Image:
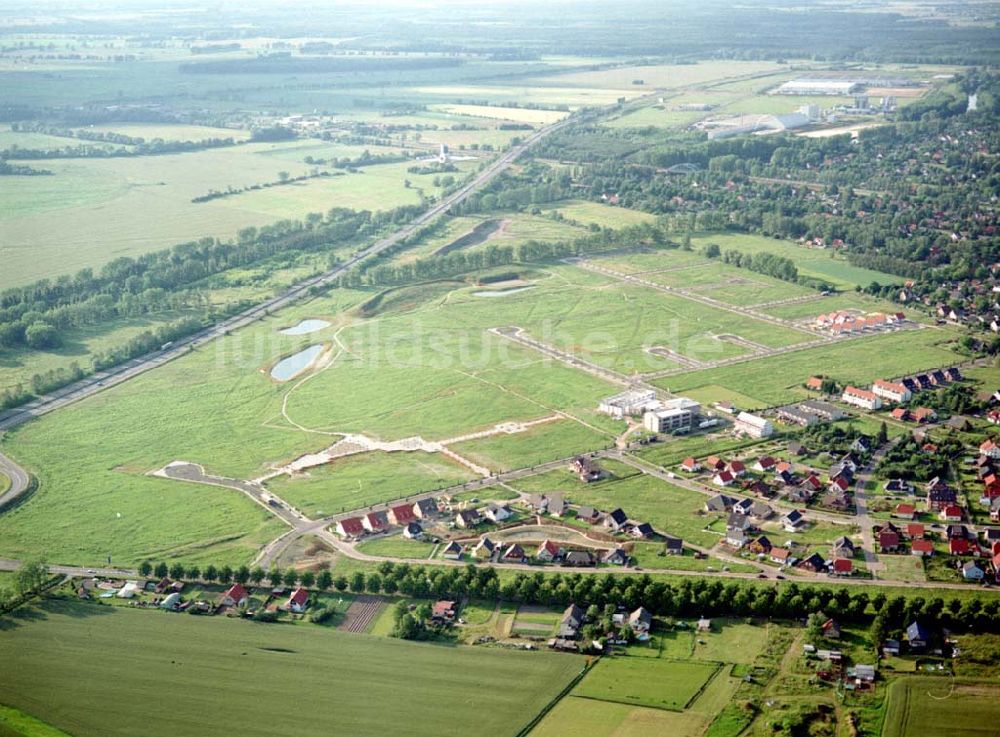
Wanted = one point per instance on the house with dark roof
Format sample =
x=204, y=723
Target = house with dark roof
x=467, y=519
x=616, y=557
x=425, y=508
x=578, y=558
x=760, y=546
x=719, y=503
x=673, y=546
x=588, y=514
x=615, y=520
x=453, y=551
x=375, y=521
x=413, y=531
x=813, y=563
x=917, y=636
x=843, y=547
x=643, y=530
x=514, y=554
x=571, y=621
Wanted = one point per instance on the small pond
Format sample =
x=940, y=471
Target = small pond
x=289, y=368
x=306, y=326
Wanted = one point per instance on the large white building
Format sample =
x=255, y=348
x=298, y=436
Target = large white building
x=861, y=398
x=753, y=425
x=629, y=403
x=818, y=87
x=674, y=414
x=892, y=392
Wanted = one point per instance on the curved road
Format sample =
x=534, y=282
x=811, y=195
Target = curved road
x=19, y=480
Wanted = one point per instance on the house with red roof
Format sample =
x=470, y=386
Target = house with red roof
x=402, y=515
x=780, y=555
x=888, y=541
x=892, y=392
x=922, y=548
x=298, y=601
x=951, y=513
x=375, y=521
x=904, y=511
x=690, y=465
x=235, y=595
x=737, y=468
x=861, y=398
x=765, y=464
x=960, y=546
x=815, y=383
x=548, y=552
x=715, y=463
x=915, y=531
x=842, y=567
x=900, y=413
x=723, y=478
x=923, y=414
x=350, y=527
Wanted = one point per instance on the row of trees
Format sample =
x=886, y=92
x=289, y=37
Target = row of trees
x=688, y=598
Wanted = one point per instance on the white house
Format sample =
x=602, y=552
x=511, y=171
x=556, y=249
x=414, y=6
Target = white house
x=298, y=601
x=628, y=403
x=861, y=398
x=893, y=392
x=753, y=425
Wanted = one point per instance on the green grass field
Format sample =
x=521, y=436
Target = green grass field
x=606, y=216
x=368, y=478
x=818, y=263
x=396, y=546
x=657, y=683
x=574, y=716
x=860, y=361
x=56, y=224
x=921, y=706
x=74, y=661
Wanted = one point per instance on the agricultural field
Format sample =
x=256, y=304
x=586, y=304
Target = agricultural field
x=57, y=224
x=653, y=682
x=68, y=657
x=661, y=76
x=166, y=132
x=919, y=706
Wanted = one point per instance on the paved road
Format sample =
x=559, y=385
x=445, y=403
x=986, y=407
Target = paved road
x=19, y=480
x=861, y=507
x=103, y=379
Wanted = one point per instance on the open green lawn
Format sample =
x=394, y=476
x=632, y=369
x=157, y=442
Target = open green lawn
x=396, y=546
x=539, y=444
x=923, y=706
x=654, y=682
x=75, y=661
x=606, y=216
x=860, y=361
x=818, y=263
x=368, y=478
x=730, y=641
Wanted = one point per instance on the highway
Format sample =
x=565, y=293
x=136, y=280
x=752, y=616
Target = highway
x=101, y=380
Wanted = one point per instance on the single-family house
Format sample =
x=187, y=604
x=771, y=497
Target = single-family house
x=640, y=621
x=497, y=513
x=831, y=629
x=904, y=511
x=467, y=519
x=571, y=621
x=765, y=464
x=842, y=567
x=235, y=595
x=972, y=572
x=760, y=546
x=616, y=557
x=915, y=531
x=402, y=515
x=888, y=541
x=673, y=545
x=425, y=508
x=843, y=547
x=548, y=552
x=484, y=549
x=514, y=554
x=413, y=531
x=951, y=513
x=615, y=520
x=297, y=601
x=782, y=556
x=443, y=612
x=350, y=527
x=719, y=503
x=922, y=548
x=917, y=636
x=690, y=465
x=578, y=558
x=453, y=551
x=793, y=521
x=375, y=521
x=723, y=478
x=813, y=563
